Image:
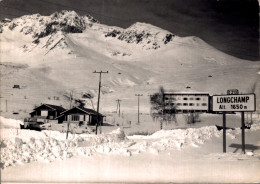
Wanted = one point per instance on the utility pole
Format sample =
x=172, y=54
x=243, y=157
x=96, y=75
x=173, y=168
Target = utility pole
x=138, y=95
x=118, y=106
x=99, y=86
x=68, y=127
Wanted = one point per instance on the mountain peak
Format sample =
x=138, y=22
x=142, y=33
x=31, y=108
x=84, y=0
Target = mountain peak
x=144, y=34
x=40, y=26
x=47, y=31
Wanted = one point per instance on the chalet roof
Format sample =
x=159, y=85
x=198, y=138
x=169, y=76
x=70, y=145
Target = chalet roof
x=54, y=107
x=86, y=110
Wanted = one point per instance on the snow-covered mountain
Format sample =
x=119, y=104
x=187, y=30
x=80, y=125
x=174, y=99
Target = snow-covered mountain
x=48, y=31
x=50, y=56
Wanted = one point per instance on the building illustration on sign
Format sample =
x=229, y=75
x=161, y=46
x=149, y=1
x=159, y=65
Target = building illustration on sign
x=183, y=102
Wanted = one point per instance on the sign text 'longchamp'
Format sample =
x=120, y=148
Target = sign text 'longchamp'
x=236, y=103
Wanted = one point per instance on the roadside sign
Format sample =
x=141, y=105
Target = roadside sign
x=234, y=103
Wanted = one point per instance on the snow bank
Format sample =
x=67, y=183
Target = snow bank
x=10, y=123
x=23, y=146
x=179, y=138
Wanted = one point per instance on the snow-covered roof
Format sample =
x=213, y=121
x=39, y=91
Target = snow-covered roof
x=53, y=107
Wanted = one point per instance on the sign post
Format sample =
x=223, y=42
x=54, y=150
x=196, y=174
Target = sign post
x=224, y=132
x=234, y=103
x=243, y=132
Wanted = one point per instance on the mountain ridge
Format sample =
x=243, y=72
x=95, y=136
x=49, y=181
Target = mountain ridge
x=65, y=22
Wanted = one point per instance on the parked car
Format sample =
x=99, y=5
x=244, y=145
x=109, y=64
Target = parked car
x=33, y=124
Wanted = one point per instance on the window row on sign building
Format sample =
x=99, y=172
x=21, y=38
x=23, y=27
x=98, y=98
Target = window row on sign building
x=186, y=102
x=184, y=98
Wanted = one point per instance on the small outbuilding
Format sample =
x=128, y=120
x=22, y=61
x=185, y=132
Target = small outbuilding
x=16, y=86
x=80, y=115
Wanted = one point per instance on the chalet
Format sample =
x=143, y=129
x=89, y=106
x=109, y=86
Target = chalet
x=47, y=111
x=80, y=115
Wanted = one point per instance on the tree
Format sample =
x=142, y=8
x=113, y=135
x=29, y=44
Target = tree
x=158, y=110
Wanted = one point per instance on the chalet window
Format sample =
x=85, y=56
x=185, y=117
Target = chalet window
x=179, y=104
x=191, y=104
x=204, y=104
x=185, y=98
x=197, y=98
x=44, y=113
x=185, y=104
x=74, y=117
x=191, y=98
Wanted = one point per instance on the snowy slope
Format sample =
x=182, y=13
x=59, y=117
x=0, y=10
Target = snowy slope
x=61, y=52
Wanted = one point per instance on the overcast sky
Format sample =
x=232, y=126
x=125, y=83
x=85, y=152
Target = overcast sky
x=229, y=25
